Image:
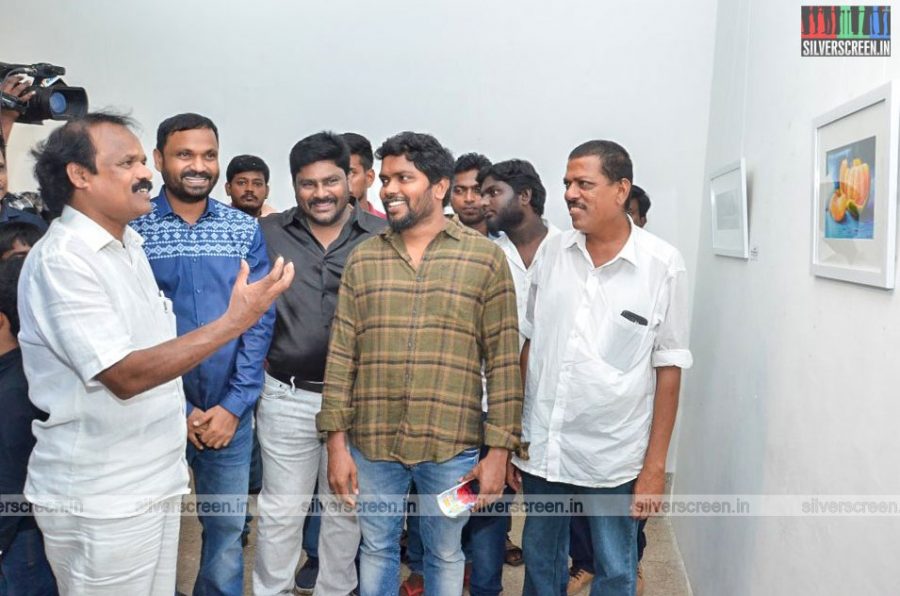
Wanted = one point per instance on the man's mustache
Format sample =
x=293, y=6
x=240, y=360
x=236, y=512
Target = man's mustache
x=142, y=185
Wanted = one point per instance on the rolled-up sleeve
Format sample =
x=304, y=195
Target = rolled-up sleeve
x=78, y=320
x=671, y=345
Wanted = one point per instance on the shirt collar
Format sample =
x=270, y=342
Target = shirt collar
x=452, y=228
x=92, y=233
x=164, y=208
x=628, y=252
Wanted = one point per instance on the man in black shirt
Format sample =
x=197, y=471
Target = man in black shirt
x=23, y=563
x=317, y=235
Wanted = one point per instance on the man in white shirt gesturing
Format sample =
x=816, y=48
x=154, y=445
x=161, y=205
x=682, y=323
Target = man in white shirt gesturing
x=101, y=357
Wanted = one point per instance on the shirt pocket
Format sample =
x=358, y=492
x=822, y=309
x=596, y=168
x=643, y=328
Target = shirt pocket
x=621, y=341
x=452, y=304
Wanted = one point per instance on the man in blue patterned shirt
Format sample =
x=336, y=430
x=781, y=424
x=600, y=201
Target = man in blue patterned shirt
x=195, y=246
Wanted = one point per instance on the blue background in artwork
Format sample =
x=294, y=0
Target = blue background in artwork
x=864, y=227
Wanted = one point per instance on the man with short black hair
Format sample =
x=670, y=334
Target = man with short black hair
x=362, y=175
x=581, y=574
x=607, y=322
x=318, y=234
x=465, y=194
x=461, y=199
x=421, y=306
x=247, y=184
x=513, y=201
x=196, y=247
x=100, y=352
x=638, y=206
x=17, y=238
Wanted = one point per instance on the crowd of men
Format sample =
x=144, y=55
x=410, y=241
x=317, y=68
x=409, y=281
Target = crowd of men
x=368, y=358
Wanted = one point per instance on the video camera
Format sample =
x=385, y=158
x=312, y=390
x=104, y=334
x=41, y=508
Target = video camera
x=52, y=100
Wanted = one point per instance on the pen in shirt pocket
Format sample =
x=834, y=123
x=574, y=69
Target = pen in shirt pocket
x=634, y=318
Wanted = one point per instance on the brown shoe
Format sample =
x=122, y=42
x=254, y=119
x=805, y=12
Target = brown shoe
x=579, y=579
x=513, y=555
x=640, y=580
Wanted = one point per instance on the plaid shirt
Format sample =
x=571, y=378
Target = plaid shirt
x=404, y=364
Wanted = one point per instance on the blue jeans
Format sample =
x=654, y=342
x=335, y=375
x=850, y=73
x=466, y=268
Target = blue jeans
x=484, y=545
x=545, y=539
x=224, y=472
x=484, y=542
x=580, y=548
x=26, y=571
x=256, y=472
x=383, y=487
x=414, y=551
x=311, y=526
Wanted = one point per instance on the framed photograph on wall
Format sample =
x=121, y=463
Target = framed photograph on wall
x=728, y=196
x=854, y=227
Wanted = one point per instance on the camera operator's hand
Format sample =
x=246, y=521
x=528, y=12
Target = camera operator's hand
x=20, y=88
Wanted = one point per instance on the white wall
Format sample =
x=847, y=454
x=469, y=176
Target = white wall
x=529, y=79
x=524, y=79
x=793, y=391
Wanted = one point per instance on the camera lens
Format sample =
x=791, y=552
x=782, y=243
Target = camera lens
x=58, y=103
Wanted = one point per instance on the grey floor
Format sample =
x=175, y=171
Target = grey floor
x=663, y=569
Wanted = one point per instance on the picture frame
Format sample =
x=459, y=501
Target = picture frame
x=730, y=221
x=854, y=202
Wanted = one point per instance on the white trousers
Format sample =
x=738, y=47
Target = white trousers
x=293, y=458
x=130, y=555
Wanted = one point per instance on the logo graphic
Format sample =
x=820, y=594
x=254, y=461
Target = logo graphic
x=845, y=31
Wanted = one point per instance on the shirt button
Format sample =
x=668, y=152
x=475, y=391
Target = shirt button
x=409, y=344
x=197, y=290
x=419, y=278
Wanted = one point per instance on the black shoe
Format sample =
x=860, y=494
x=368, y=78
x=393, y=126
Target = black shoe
x=306, y=577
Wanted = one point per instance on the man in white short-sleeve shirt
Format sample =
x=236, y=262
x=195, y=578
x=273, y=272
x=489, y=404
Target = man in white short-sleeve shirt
x=607, y=327
x=513, y=197
x=101, y=357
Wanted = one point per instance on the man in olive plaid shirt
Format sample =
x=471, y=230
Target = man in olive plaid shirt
x=421, y=306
